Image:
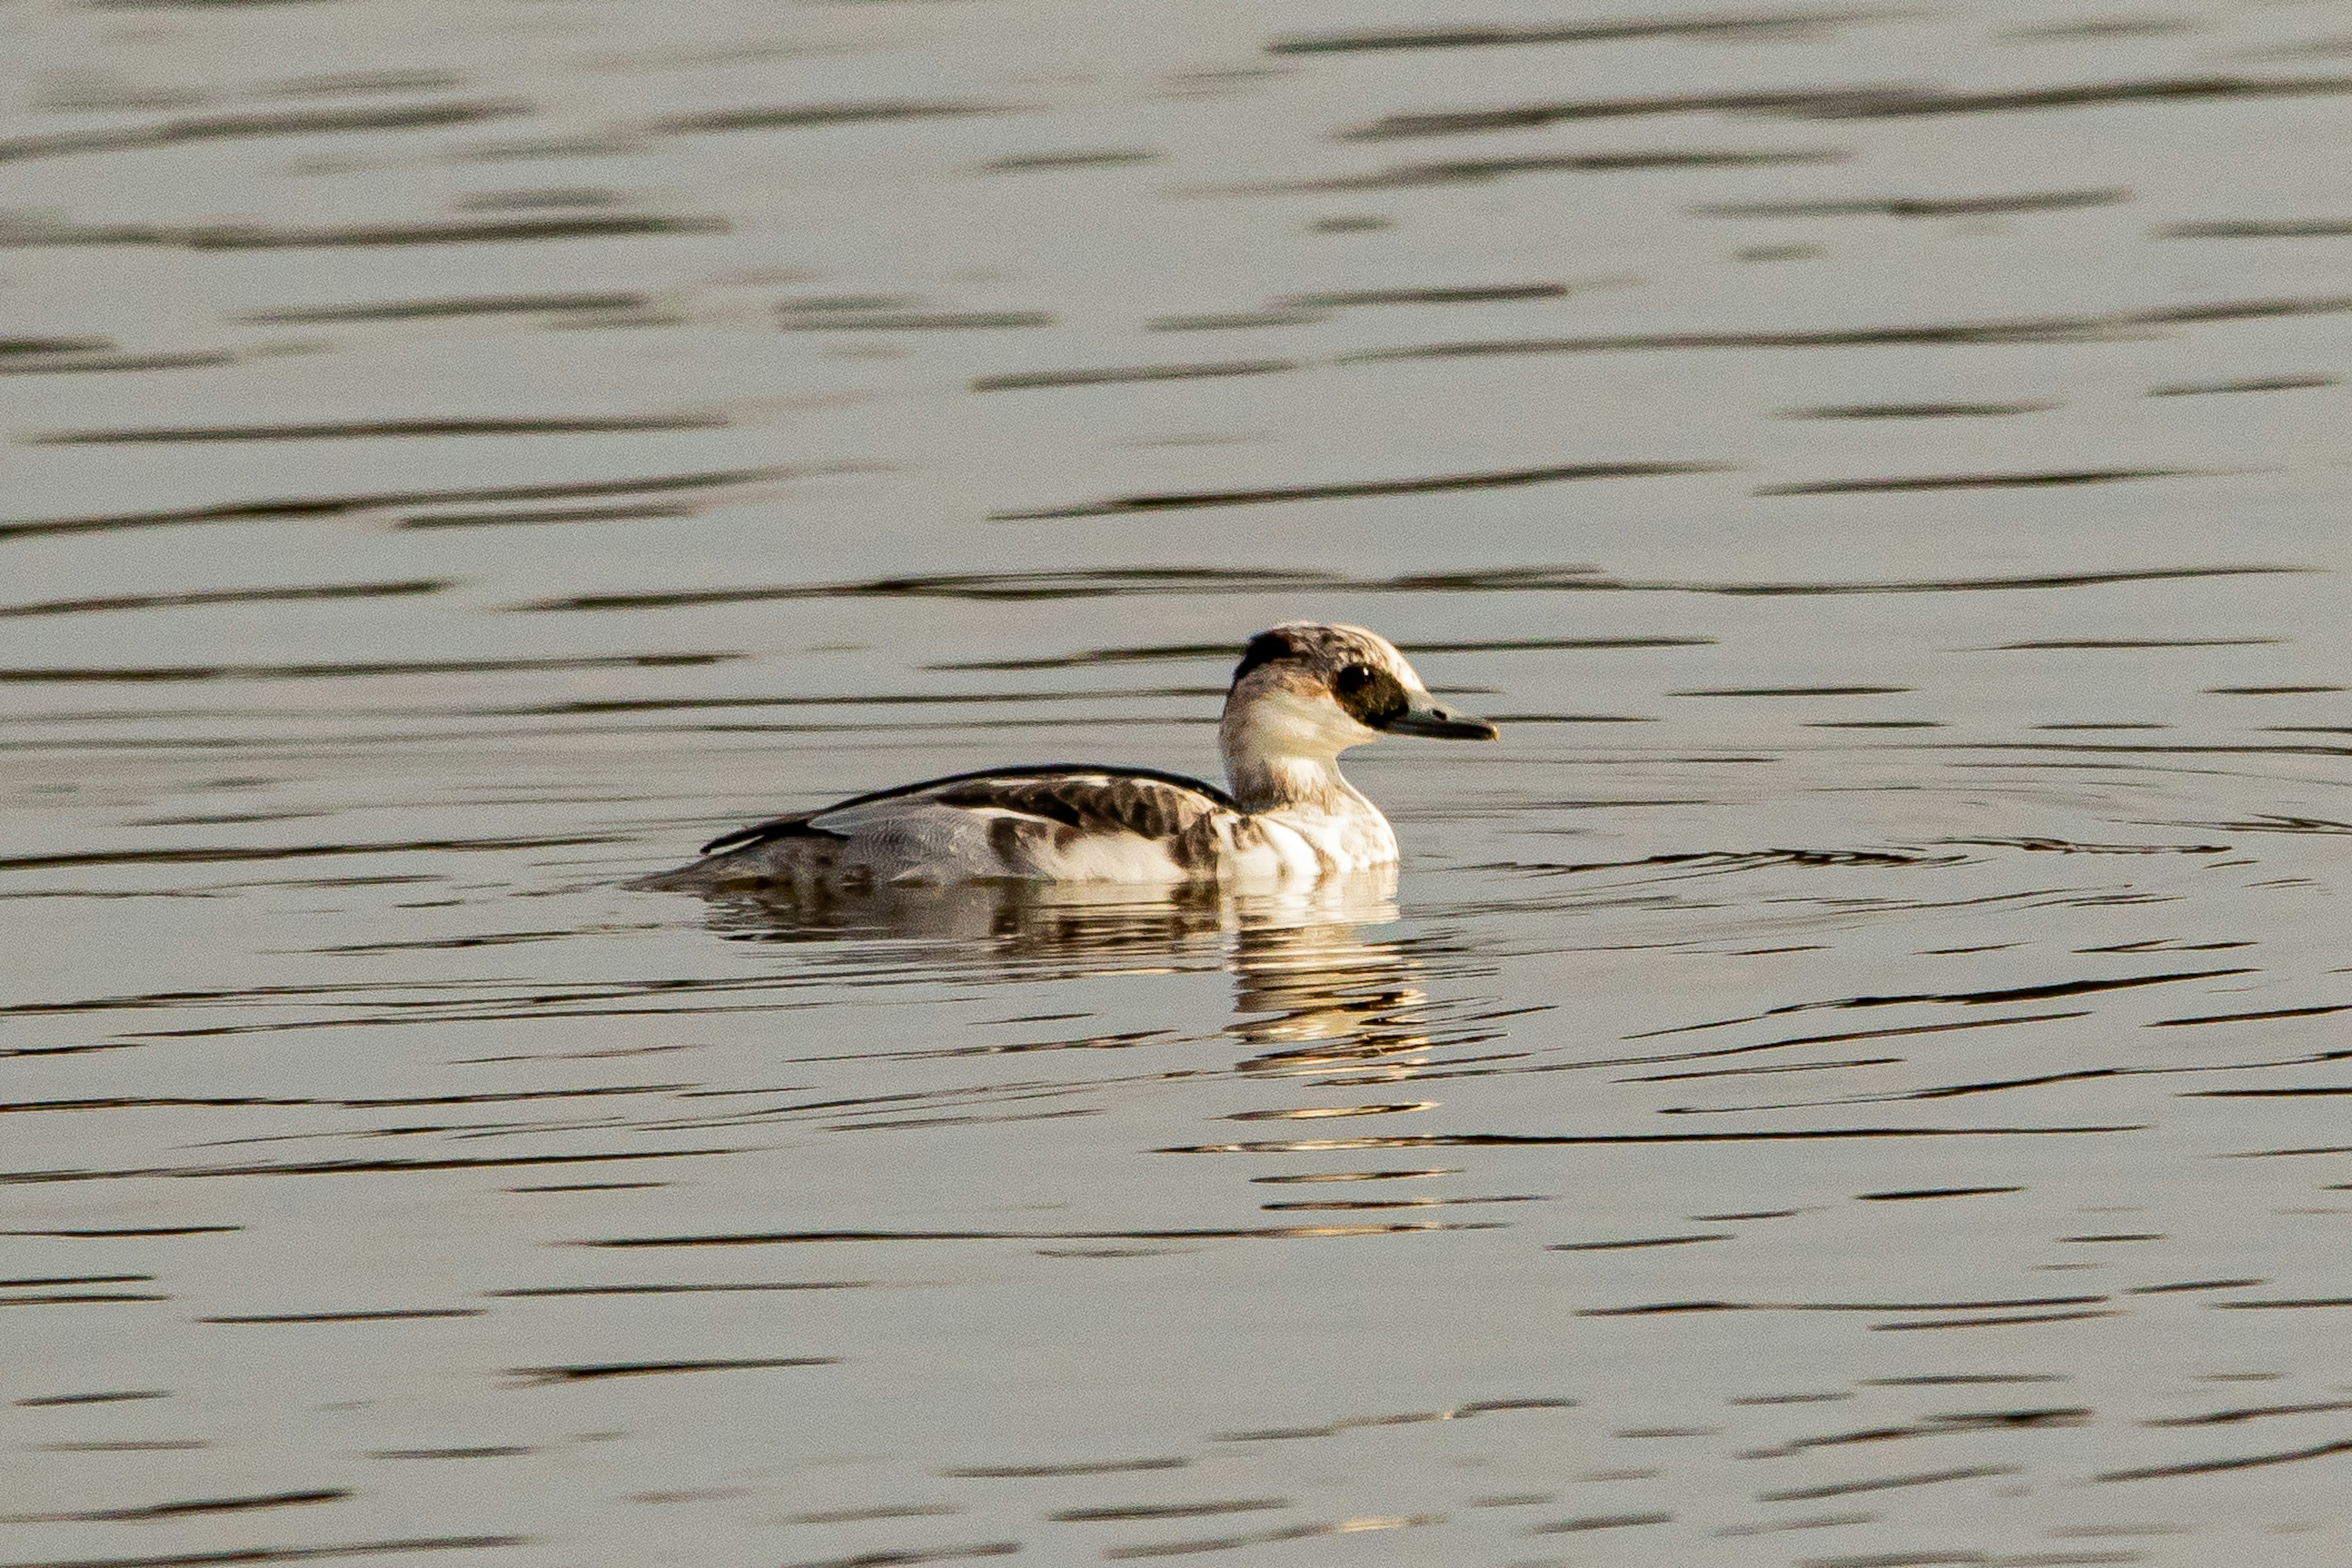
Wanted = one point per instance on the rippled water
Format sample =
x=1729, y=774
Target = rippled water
x=1854, y=1079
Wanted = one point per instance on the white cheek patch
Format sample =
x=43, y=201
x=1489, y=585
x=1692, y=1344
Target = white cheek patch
x=1285, y=725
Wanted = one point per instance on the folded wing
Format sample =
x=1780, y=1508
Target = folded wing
x=1065, y=823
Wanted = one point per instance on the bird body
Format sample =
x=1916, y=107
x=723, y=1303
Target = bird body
x=1303, y=693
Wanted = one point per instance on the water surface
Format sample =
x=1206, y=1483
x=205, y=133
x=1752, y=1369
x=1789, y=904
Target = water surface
x=1852, y=1079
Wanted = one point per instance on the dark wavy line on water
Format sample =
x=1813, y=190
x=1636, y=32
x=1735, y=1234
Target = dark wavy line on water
x=2175, y=750
x=345, y=505
x=1610, y=1140
x=1358, y=1205
x=2041, y=1419
x=1112, y=582
x=1073, y=1467
x=1599, y=1522
x=245, y=1554
x=984, y=586
x=1686, y=863
x=1236, y=1233
x=349, y=1167
x=194, y=857
x=1920, y=206
x=223, y=127
x=813, y=116
x=2241, y=1462
x=2051, y=990
x=1473, y=294
x=475, y=735
x=1714, y=26
x=357, y=1315
x=2265, y=1015
x=875, y=700
x=1032, y=163
x=325, y=84
x=831, y=304
x=110, y=1233
x=1232, y=320
x=896, y=1556
x=197, y=359
x=243, y=1102
x=2094, y=645
x=1915, y=411
x=2299, y=381
x=1397, y=1418
x=2283, y=229
x=1837, y=1037
x=598, y=1371
x=548, y=425
x=1660, y=1308
x=1793, y=691
x=1436, y=484
x=1864, y=102
x=226, y=596
x=2269, y=824
x=467, y=305
x=2108, y=328
x=2270, y=691
x=19, y=233
x=2254, y=1412
x=1036, y=380
x=911, y=321
x=155, y=673
x=10, y=347
x=241, y=996
x=2185, y=1285
x=2074, y=846
x=642, y=512
x=678, y=1287
x=1884, y=1483
x=1186, y=1548
x=1121, y=1512
x=1469, y=171
x=2042, y=480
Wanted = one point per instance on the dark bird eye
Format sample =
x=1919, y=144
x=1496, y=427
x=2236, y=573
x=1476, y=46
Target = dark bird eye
x=1371, y=697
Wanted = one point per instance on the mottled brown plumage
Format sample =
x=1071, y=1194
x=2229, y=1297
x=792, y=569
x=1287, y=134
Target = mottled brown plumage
x=1302, y=693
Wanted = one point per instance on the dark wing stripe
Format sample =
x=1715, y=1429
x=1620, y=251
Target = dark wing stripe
x=796, y=827
x=1148, y=808
x=1047, y=771
x=998, y=786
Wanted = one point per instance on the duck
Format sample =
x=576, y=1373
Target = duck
x=1303, y=693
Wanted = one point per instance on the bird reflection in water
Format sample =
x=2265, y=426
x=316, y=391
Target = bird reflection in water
x=1310, y=993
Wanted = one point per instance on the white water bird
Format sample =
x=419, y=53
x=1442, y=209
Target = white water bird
x=1303, y=693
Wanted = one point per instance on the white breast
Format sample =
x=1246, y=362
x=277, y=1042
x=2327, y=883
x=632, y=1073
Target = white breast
x=1309, y=843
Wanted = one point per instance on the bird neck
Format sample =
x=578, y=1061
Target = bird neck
x=1281, y=753
x=1290, y=783
x=1265, y=778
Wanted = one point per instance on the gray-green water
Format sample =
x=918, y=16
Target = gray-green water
x=1856, y=1078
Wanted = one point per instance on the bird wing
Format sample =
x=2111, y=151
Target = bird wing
x=1153, y=805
